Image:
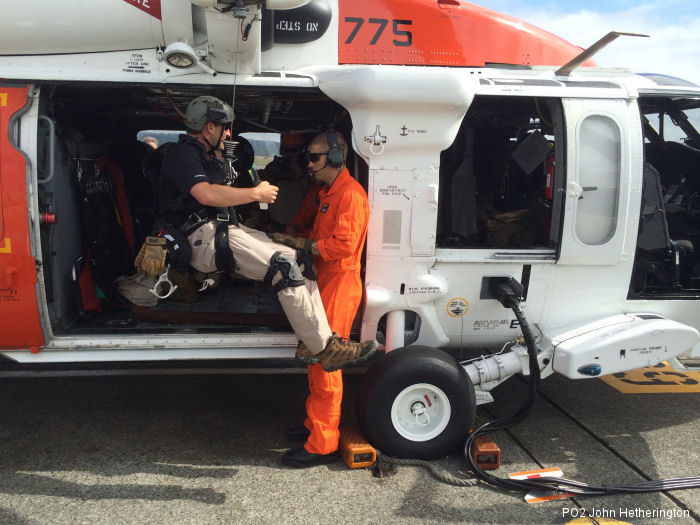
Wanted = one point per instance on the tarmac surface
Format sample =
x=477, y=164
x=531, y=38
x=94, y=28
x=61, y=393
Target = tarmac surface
x=200, y=449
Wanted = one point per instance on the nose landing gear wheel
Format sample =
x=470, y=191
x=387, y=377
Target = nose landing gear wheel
x=416, y=402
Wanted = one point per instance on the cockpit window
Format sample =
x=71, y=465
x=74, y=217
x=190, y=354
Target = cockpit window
x=667, y=261
x=673, y=121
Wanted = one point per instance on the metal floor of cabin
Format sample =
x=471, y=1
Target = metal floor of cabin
x=227, y=309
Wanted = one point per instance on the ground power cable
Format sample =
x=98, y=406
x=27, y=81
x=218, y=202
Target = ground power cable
x=509, y=297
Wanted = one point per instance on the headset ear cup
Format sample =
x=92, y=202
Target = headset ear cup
x=335, y=157
x=335, y=150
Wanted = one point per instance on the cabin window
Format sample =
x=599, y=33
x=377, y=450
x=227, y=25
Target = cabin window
x=158, y=137
x=266, y=147
x=599, y=177
x=498, y=179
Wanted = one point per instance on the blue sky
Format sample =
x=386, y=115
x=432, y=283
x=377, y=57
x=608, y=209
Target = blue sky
x=673, y=26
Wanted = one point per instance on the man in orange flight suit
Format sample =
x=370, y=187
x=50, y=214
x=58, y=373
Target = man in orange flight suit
x=337, y=239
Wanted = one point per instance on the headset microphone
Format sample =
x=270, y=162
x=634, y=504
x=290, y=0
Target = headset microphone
x=230, y=149
x=230, y=157
x=314, y=172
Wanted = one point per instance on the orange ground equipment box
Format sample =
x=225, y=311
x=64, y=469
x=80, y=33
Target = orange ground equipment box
x=354, y=449
x=486, y=454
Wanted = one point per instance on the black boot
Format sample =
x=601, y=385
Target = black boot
x=301, y=458
x=297, y=433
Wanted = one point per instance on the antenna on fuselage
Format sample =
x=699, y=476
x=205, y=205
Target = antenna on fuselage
x=587, y=53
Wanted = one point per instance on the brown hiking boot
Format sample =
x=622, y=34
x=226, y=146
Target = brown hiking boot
x=340, y=353
x=305, y=356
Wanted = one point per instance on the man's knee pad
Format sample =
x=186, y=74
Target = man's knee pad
x=289, y=270
x=304, y=259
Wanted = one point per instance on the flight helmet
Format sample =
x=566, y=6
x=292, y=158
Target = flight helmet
x=207, y=109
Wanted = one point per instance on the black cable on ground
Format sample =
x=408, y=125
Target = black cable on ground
x=510, y=298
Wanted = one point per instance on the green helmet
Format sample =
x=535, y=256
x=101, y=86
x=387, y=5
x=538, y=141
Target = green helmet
x=207, y=109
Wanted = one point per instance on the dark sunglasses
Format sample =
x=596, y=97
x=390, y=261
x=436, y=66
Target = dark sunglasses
x=313, y=157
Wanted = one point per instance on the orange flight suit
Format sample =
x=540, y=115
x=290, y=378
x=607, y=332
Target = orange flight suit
x=339, y=229
x=303, y=220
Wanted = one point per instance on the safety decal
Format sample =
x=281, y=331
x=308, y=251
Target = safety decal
x=659, y=379
x=423, y=290
x=491, y=324
x=457, y=307
x=8, y=295
x=6, y=247
x=394, y=191
x=301, y=25
x=3, y=99
x=136, y=63
x=152, y=7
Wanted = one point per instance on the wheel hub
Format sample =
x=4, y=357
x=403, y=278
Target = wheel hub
x=417, y=409
x=420, y=412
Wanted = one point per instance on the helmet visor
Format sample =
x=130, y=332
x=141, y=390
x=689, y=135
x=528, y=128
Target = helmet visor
x=218, y=116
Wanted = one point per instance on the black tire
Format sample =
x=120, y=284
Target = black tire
x=397, y=377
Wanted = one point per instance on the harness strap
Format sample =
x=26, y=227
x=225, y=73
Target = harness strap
x=223, y=256
x=305, y=260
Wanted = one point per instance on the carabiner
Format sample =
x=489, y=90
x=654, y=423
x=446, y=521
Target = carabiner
x=163, y=279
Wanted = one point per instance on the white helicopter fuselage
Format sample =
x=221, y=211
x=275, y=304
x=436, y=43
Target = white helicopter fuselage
x=474, y=171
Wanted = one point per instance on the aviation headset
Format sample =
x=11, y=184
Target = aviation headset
x=334, y=157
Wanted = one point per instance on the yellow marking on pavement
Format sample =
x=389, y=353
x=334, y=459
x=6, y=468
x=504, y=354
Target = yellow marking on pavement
x=659, y=379
x=7, y=248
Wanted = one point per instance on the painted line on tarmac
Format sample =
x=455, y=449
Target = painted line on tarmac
x=659, y=379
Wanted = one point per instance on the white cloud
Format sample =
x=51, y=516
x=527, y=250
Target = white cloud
x=673, y=48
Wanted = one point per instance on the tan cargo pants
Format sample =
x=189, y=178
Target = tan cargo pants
x=252, y=251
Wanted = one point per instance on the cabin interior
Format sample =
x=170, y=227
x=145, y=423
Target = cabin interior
x=498, y=178
x=498, y=189
x=102, y=189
